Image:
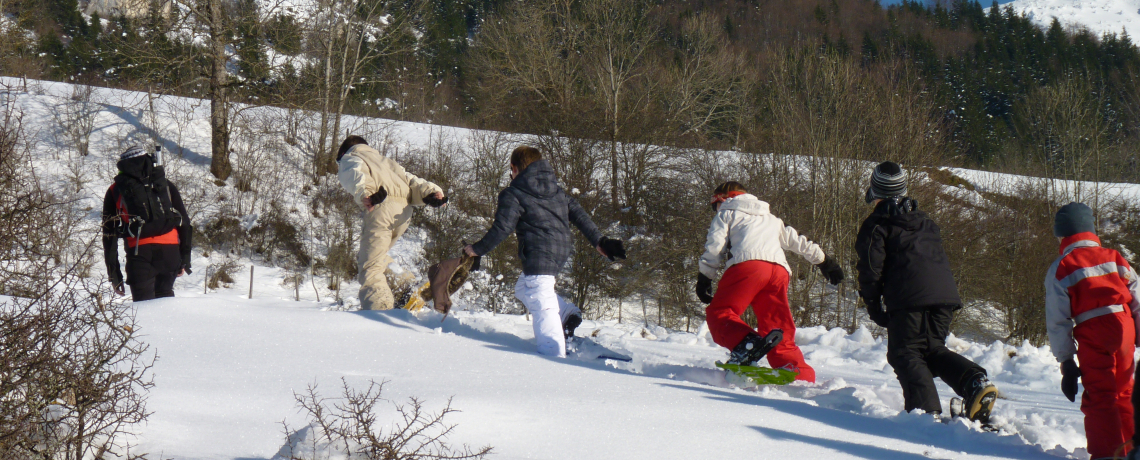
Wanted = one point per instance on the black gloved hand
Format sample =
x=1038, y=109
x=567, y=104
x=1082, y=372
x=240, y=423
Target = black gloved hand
x=434, y=202
x=612, y=247
x=378, y=197
x=704, y=288
x=878, y=314
x=1069, y=375
x=117, y=283
x=831, y=270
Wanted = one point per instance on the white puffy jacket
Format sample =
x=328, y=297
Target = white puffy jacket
x=753, y=233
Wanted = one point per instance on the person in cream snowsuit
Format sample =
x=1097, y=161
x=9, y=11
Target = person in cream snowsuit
x=757, y=275
x=387, y=193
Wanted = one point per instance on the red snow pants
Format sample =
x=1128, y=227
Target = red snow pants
x=764, y=285
x=1105, y=345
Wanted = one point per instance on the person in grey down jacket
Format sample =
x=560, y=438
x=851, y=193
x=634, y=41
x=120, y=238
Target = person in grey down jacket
x=536, y=208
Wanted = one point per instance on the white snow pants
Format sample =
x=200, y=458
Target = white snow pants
x=548, y=310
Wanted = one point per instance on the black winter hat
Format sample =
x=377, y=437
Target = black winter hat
x=1072, y=219
x=888, y=180
x=133, y=151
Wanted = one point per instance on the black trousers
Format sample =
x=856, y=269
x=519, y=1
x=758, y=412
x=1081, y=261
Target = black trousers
x=916, y=349
x=152, y=271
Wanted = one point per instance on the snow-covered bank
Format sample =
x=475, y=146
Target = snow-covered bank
x=229, y=366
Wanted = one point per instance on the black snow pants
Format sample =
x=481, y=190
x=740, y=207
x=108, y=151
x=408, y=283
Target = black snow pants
x=151, y=272
x=916, y=349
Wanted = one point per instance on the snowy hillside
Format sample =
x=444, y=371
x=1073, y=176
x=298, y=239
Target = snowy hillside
x=1099, y=16
x=229, y=366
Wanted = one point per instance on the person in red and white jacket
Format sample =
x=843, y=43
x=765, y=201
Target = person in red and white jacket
x=1092, y=312
x=757, y=275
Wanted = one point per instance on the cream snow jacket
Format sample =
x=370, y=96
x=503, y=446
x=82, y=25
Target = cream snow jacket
x=363, y=170
x=753, y=233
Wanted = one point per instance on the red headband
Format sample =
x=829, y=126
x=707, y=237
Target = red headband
x=721, y=197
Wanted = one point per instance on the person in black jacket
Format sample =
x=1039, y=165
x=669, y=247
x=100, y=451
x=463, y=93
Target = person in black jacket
x=540, y=214
x=147, y=212
x=906, y=283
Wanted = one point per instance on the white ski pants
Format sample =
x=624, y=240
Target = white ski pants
x=548, y=310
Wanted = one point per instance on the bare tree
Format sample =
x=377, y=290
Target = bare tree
x=355, y=39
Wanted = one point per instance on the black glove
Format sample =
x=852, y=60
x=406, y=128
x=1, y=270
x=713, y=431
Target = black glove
x=878, y=314
x=831, y=270
x=704, y=288
x=1069, y=375
x=117, y=283
x=378, y=197
x=434, y=202
x=186, y=268
x=612, y=248
x=477, y=264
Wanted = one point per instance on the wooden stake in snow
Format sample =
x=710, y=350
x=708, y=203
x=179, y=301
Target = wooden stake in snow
x=206, y=281
x=251, y=281
x=313, y=278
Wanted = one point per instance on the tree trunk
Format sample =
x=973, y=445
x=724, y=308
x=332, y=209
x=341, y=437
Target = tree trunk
x=219, y=103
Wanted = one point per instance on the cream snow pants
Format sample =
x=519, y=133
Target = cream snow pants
x=548, y=311
x=383, y=225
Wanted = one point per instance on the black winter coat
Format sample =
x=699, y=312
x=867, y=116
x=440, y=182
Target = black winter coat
x=139, y=169
x=540, y=213
x=901, y=259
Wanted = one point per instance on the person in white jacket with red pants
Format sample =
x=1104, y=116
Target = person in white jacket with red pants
x=757, y=275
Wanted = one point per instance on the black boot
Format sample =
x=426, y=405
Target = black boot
x=754, y=347
x=980, y=399
x=572, y=322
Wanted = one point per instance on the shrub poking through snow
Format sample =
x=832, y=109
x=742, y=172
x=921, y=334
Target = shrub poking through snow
x=73, y=376
x=346, y=428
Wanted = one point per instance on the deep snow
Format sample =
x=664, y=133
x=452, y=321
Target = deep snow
x=228, y=367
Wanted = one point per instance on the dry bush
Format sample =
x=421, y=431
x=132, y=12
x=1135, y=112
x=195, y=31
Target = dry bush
x=73, y=376
x=222, y=274
x=76, y=118
x=349, y=426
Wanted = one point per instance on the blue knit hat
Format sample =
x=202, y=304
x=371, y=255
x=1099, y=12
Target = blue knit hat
x=1072, y=219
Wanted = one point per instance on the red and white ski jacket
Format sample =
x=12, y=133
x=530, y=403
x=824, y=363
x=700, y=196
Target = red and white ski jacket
x=744, y=224
x=1085, y=282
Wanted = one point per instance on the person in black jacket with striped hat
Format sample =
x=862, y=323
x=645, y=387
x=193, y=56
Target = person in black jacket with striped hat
x=906, y=283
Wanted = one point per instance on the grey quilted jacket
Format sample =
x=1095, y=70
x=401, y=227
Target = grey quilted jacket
x=540, y=213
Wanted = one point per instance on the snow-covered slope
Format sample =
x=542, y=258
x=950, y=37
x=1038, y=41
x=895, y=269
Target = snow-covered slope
x=229, y=366
x=1099, y=16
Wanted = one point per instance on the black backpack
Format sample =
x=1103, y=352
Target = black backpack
x=145, y=206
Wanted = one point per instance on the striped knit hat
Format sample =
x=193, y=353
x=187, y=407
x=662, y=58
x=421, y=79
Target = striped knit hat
x=133, y=151
x=888, y=180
